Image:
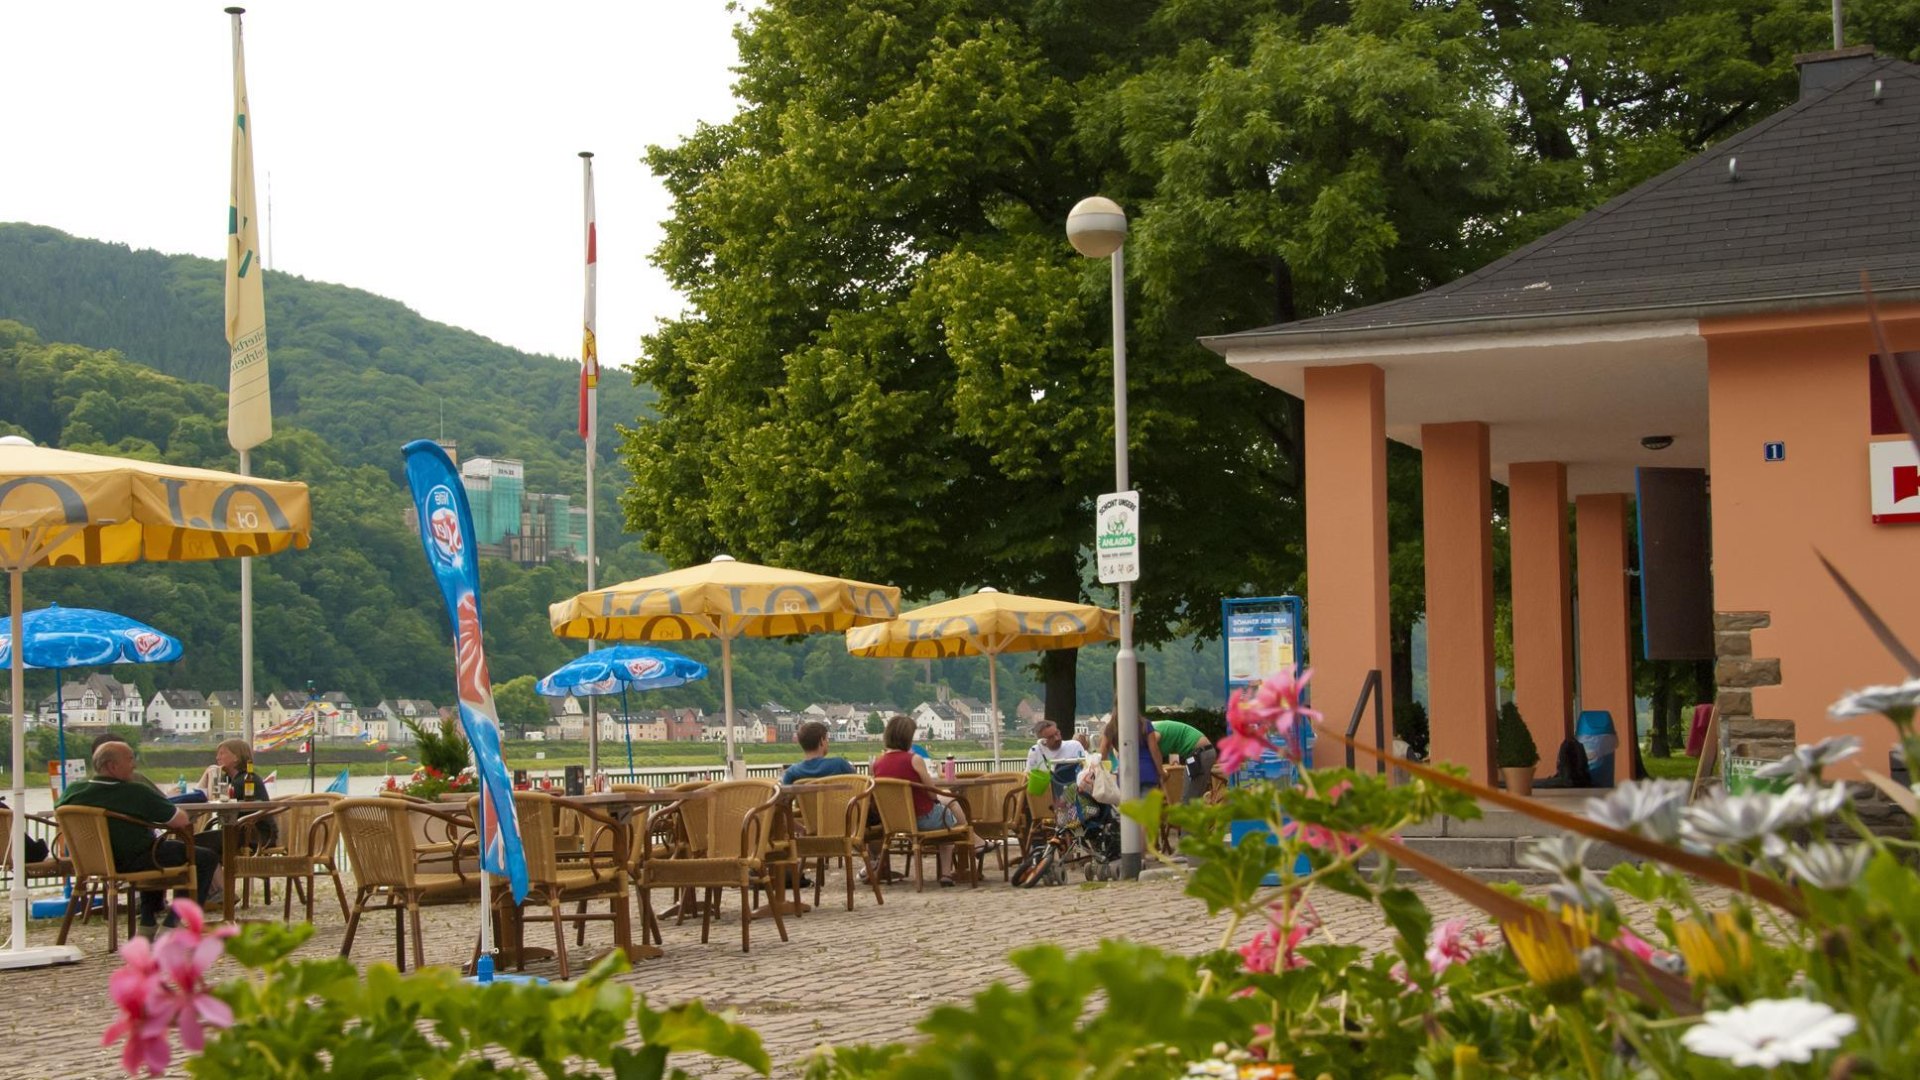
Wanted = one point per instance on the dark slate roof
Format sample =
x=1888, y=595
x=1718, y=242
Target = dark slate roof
x=1825, y=188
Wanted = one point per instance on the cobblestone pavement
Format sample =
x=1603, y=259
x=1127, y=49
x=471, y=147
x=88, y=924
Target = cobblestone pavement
x=862, y=976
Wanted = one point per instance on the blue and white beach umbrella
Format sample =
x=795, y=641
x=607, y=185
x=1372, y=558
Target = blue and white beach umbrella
x=59, y=638
x=621, y=667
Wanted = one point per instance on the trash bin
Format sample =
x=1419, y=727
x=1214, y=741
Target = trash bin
x=1594, y=729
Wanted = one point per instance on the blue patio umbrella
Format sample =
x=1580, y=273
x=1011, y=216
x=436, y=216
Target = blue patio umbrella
x=59, y=638
x=621, y=667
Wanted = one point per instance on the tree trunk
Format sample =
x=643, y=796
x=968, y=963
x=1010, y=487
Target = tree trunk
x=1662, y=695
x=1059, y=667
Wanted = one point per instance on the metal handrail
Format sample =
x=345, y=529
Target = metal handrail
x=1370, y=690
x=662, y=775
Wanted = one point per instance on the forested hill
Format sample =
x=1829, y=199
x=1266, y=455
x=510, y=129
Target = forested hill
x=355, y=376
x=363, y=372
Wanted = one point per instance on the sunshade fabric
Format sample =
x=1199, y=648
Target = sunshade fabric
x=126, y=511
x=986, y=622
x=621, y=667
x=64, y=637
x=723, y=598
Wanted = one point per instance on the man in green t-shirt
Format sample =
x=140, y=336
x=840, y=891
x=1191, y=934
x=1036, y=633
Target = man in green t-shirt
x=1191, y=745
x=113, y=788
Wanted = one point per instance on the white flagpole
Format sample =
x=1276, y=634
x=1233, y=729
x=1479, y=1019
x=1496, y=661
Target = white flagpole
x=590, y=365
x=249, y=409
x=246, y=630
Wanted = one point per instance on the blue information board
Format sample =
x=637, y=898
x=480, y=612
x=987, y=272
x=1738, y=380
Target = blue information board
x=1263, y=634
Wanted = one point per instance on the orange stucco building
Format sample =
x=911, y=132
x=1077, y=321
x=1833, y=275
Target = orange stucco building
x=1711, y=318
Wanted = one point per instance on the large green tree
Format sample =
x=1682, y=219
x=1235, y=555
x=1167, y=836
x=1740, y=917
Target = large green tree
x=895, y=366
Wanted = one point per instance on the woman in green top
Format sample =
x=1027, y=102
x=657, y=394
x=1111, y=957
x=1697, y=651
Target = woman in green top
x=1191, y=745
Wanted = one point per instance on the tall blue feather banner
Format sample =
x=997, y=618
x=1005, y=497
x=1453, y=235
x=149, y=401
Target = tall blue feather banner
x=446, y=534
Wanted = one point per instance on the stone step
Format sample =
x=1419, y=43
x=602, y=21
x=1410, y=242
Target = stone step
x=1502, y=852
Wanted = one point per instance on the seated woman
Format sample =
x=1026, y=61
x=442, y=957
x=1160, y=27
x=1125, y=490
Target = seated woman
x=899, y=762
x=235, y=779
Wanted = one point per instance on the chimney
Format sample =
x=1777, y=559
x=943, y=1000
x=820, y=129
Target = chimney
x=1820, y=70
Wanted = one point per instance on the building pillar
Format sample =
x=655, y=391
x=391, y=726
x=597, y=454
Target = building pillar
x=1542, y=603
x=1457, y=492
x=1346, y=447
x=1606, y=650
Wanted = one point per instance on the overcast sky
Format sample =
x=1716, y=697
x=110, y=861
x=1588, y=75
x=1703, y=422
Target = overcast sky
x=422, y=150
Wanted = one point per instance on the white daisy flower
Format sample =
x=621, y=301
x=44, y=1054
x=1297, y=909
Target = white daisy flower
x=1733, y=820
x=1648, y=807
x=1768, y=1033
x=1825, y=866
x=1896, y=703
x=1810, y=804
x=1804, y=765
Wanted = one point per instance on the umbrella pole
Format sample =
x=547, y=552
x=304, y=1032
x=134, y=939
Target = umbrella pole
x=726, y=686
x=993, y=705
x=60, y=720
x=593, y=741
x=626, y=728
x=18, y=890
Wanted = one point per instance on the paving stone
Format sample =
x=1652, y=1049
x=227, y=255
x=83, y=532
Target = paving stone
x=868, y=975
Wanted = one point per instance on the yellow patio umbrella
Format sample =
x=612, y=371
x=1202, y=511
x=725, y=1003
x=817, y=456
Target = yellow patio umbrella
x=723, y=599
x=987, y=624
x=62, y=508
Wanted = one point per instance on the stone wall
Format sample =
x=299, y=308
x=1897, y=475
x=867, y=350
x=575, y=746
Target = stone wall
x=1736, y=671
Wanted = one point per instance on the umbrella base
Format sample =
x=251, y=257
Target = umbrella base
x=43, y=956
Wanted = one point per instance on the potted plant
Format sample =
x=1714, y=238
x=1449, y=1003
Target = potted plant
x=1514, y=750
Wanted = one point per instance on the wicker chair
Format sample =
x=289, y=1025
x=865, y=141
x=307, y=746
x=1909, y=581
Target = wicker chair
x=309, y=835
x=600, y=875
x=834, y=809
x=435, y=836
x=895, y=800
x=380, y=836
x=55, y=865
x=994, y=812
x=678, y=831
x=732, y=852
x=90, y=848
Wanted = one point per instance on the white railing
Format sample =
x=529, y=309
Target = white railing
x=668, y=775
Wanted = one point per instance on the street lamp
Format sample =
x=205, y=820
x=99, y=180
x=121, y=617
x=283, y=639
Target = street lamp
x=1097, y=228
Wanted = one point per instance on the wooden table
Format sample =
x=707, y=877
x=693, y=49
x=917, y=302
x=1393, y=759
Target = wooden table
x=227, y=812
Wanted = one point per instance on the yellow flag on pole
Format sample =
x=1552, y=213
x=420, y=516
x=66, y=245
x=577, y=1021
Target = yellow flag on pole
x=249, y=408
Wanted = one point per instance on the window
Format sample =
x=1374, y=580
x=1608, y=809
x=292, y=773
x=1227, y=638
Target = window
x=1885, y=418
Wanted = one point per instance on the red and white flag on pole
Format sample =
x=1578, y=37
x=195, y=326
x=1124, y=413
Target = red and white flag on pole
x=590, y=353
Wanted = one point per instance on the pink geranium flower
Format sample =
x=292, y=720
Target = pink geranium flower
x=1263, y=720
x=163, y=984
x=1320, y=837
x=1450, y=944
x=1272, y=949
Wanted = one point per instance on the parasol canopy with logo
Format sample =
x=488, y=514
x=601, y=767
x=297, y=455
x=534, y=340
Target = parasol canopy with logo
x=622, y=668
x=723, y=599
x=987, y=624
x=64, y=508
x=59, y=638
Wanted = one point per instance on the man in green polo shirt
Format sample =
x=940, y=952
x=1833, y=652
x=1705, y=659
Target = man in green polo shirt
x=113, y=788
x=1191, y=745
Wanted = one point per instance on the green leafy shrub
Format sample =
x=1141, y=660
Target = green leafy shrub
x=297, y=1018
x=1513, y=743
x=1410, y=726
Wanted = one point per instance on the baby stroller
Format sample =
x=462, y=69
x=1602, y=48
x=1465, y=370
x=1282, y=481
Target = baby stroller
x=1090, y=828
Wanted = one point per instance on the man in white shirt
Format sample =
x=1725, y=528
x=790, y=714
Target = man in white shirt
x=1049, y=747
